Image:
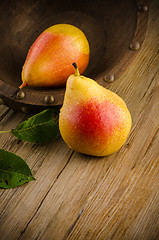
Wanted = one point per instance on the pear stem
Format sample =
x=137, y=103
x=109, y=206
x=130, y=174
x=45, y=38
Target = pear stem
x=76, y=69
x=19, y=90
x=22, y=85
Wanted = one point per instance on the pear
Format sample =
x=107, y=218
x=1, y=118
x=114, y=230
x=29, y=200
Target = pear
x=60, y=44
x=93, y=120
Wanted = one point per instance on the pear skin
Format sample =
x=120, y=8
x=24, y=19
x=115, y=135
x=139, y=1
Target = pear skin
x=93, y=120
x=57, y=46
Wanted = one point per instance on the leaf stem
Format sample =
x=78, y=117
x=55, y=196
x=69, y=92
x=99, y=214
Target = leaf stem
x=9, y=131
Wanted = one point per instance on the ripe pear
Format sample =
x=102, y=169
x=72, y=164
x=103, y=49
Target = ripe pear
x=93, y=120
x=57, y=46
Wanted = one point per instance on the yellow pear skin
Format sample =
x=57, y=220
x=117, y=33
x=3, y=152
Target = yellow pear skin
x=93, y=120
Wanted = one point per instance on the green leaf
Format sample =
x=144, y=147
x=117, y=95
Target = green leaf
x=40, y=128
x=13, y=170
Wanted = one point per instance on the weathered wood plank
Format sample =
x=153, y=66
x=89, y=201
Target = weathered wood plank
x=49, y=160
x=132, y=188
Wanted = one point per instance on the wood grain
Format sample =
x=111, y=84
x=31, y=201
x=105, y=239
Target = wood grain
x=76, y=196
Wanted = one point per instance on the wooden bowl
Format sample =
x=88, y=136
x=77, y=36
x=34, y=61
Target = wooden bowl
x=115, y=30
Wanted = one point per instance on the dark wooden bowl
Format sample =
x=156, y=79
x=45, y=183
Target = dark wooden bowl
x=115, y=30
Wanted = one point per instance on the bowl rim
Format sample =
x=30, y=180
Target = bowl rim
x=35, y=102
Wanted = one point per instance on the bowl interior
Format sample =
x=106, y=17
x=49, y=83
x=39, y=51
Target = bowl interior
x=109, y=26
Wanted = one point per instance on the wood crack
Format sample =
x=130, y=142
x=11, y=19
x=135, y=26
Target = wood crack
x=7, y=204
x=81, y=212
x=36, y=211
x=149, y=86
x=73, y=225
x=63, y=167
x=4, y=114
x=151, y=142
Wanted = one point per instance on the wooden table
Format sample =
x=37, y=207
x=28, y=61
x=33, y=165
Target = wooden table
x=80, y=197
